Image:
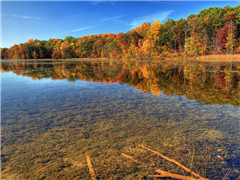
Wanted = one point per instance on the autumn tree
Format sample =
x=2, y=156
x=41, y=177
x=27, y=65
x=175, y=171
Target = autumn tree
x=66, y=50
x=168, y=38
x=192, y=45
x=98, y=48
x=112, y=48
x=230, y=17
x=3, y=52
x=153, y=35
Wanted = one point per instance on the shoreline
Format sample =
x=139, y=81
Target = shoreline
x=208, y=58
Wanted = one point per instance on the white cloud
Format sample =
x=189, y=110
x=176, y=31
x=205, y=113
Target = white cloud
x=101, y=21
x=97, y=2
x=81, y=29
x=21, y=16
x=24, y=17
x=150, y=18
x=110, y=19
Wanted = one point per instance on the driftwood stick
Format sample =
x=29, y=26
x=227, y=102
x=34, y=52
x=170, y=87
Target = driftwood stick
x=90, y=167
x=165, y=174
x=162, y=173
x=130, y=157
x=175, y=162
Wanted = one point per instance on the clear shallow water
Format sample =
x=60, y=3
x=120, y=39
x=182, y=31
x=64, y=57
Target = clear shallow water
x=54, y=114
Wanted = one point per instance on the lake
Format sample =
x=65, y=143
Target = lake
x=119, y=120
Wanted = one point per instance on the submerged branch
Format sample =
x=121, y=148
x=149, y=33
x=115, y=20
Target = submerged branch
x=90, y=167
x=130, y=157
x=165, y=174
x=175, y=162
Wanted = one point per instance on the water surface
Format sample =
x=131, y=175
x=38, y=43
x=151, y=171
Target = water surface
x=55, y=114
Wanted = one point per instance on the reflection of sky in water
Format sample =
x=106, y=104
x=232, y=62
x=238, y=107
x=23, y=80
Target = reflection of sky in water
x=118, y=117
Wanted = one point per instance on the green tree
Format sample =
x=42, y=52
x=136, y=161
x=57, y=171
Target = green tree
x=66, y=50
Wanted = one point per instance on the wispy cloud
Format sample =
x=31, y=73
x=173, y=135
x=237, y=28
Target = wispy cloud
x=97, y=2
x=101, y=21
x=21, y=16
x=81, y=29
x=150, y=18
x=111, y=18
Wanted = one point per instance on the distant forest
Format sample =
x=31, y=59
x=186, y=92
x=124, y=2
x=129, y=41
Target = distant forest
x=212, y=31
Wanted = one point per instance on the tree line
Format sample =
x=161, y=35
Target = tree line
x=212, y=31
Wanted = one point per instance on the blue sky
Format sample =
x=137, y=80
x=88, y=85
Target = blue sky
x=57, y=19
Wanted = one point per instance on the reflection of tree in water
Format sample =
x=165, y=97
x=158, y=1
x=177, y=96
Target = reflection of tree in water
x=206, y=83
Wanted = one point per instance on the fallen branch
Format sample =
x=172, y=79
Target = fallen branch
x=90, y=167
x=162, y=173
x=130, y=157
x=165, y=174
x=175, y=162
